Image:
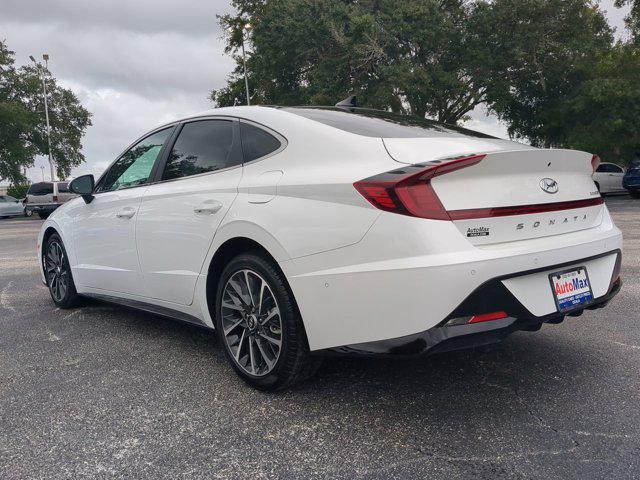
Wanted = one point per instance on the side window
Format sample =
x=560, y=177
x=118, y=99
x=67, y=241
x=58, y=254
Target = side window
x=134, y=167
x=42, y=188
x=609, y=168
x=202, y=146
x=256, y=142
x=2, y=198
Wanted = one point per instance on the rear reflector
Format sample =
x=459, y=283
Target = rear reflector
x=487, y=317
x=522, y=209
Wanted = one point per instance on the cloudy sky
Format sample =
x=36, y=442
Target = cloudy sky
x=137, y=63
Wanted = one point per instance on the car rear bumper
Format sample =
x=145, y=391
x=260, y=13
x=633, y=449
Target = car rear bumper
x=390, y=286
x=490, y=297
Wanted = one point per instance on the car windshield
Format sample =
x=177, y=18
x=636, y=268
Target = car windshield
x=377, y=123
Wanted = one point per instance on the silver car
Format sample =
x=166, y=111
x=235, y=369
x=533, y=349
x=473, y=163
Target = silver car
x=11, y=206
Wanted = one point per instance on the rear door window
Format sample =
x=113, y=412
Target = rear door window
x=256, y=142
x=202, y=146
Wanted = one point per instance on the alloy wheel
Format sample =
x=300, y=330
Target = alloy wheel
x=57, y=275
x=251, y=322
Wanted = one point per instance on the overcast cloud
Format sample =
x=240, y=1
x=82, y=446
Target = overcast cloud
x=137, y=63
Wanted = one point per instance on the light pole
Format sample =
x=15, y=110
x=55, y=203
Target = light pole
x=45, y=57
x=245, y=27
x=42, y=170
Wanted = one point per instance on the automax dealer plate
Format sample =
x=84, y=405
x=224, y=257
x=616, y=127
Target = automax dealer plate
x=571, y=288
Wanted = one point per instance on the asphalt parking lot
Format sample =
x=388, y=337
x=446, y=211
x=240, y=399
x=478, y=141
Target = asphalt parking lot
x=106, y=392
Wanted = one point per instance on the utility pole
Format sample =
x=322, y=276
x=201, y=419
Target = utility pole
x=45, y=57
x=245, y=28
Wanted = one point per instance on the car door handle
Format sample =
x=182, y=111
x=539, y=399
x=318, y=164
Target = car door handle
x=126, y=212
x=208, y=208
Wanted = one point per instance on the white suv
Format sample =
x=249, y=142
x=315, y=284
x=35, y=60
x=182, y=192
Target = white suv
x=44, y=197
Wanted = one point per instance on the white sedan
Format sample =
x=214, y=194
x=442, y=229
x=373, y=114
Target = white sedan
x=301, y=232
x=608, y=178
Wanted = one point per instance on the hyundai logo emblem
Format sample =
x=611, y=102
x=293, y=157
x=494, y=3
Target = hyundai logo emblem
x=549, y=185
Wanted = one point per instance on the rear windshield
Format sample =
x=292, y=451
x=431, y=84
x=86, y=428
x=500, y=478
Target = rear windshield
x=63, y=187
x=376, y=123
x=41, y=188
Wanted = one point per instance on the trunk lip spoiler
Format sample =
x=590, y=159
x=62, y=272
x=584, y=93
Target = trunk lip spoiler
x=475, y=213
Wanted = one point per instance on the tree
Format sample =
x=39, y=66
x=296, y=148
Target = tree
x=633, y=19
x=22, y=123
x=542, y=51
x=604, y=114
x=414, y=56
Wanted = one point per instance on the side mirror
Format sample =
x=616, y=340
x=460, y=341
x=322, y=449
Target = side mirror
x=83, y=186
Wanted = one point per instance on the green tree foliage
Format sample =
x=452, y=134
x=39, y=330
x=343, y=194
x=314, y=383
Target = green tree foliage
x=18, y=190
x=633, y=19
x=22, y=122
x=542, y=51
x=603, y=115
x=414, y=56
x=550, y=69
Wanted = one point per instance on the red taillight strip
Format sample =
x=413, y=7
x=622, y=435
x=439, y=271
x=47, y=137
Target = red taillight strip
x=474, y=213
x=408, y=191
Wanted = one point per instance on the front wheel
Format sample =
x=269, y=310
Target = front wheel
x=43, y=215
x=28, y=213
x=58, y=273
x=634, y=193
x=259, y=325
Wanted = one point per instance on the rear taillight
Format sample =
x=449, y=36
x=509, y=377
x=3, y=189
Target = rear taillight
x=408, y=190
x=55, y=198
x=595, y=162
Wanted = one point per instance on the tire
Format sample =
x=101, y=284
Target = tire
x=58, y=273
x=28, y=213
x=634, y=193
x=265, y=340
x=43, y=215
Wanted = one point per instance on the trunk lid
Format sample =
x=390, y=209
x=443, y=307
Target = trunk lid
x=514, y=193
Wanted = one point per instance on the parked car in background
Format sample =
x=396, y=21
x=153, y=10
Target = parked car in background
x=631, y=180
x=44, y=197
x=11, y=206
x=608, y=178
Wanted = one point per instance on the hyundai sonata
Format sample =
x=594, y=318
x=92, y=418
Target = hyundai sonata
x=299, y=232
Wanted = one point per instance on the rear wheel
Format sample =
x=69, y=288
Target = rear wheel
x=27, y=212
x=259, y=325
x=58, y=273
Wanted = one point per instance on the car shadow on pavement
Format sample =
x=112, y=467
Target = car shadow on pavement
x=524, y=367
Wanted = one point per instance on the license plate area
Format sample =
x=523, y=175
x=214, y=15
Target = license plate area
x=571, y=289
